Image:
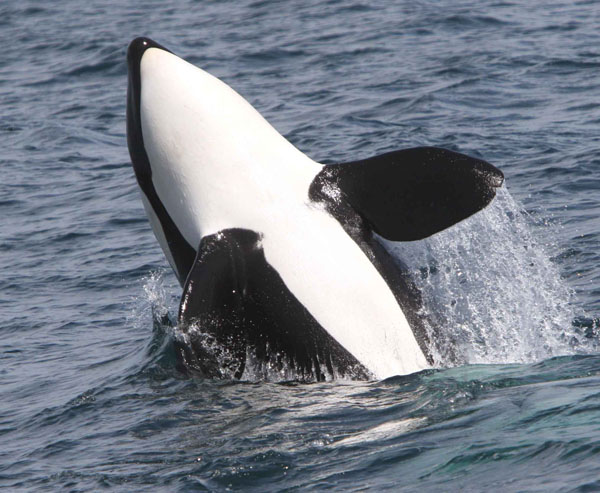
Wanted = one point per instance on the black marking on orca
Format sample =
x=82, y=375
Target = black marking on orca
x=182, y=252
x=236, y=297
x=412, y=193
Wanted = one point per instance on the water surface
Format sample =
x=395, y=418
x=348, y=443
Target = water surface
x=90, y=397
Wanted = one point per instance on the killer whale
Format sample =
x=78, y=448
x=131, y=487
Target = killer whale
x=277, y=254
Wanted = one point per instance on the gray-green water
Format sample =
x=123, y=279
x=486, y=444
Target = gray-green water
x=89, y=395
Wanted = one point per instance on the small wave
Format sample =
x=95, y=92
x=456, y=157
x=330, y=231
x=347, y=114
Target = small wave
x=470, y=20
x=385, y=431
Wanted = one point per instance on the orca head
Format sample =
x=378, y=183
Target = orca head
x=203, y=156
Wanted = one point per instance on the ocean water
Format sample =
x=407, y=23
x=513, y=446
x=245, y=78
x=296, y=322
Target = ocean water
x=90, y=397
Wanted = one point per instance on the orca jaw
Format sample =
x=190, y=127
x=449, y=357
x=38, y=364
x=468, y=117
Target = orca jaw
x=177, y=250
x=135, y=140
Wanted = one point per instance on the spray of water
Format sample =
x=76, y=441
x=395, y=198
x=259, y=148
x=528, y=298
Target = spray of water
x=492, y=290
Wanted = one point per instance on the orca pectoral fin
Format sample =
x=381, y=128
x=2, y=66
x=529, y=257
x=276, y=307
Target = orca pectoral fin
x=241, y=304
x=413, y=193
x=213, y=302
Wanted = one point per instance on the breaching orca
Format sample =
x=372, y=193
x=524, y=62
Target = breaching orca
x=276, y=253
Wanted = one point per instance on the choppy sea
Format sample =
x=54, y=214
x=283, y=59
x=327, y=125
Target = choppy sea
x=90, y=397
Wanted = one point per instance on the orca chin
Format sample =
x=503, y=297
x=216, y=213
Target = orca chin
x=276, y=253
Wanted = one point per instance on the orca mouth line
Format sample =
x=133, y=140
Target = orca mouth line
x=135, y=52
x=182, y=252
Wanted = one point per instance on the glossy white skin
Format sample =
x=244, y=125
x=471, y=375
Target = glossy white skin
x=218, y=164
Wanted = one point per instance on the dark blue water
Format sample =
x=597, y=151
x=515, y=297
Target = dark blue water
x=89, y=395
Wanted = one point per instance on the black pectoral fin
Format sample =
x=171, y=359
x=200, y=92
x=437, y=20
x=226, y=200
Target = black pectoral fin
x=213, y=283
x=213, y=301
x=235, y=304
x=413, y=193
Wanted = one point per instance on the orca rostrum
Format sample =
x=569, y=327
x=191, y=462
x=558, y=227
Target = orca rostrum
x=276, y=253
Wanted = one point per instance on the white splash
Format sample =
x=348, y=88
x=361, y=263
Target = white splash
x=156, y=294
x=492, y=289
